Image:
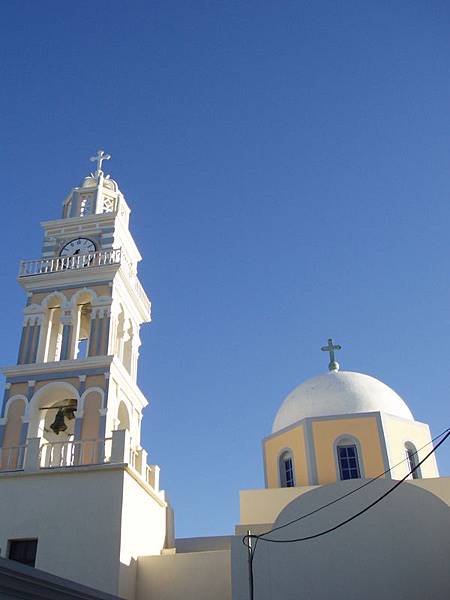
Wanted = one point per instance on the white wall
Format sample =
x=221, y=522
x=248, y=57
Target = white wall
x=397, y=550
x=187, y=576
x=76, y=517
x=19, y=582
x=92, y=523
x=143, y=531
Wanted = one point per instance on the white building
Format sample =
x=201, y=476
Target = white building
x=79, y=500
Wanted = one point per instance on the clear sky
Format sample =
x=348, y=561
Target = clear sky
x=287, y=165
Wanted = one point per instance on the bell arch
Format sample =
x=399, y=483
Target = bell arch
x=82, y=303
x=43, y=407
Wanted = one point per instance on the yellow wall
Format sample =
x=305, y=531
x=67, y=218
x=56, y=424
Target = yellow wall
x=90, y=428
x=73, y=380
x=100, y=290
x=294, y=439
x=95, y=381
x=364, y=429
x=12, y=434
x=18, y=388
x=398, y=432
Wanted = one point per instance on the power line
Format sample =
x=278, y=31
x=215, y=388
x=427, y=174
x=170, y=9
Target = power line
x=360, y=487
x=362, y=511
x=249, y=537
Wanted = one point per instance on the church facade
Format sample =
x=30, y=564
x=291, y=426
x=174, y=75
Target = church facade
x=81, y=501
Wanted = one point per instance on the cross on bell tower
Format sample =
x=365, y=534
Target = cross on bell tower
x=99, y=158
x=330, y=348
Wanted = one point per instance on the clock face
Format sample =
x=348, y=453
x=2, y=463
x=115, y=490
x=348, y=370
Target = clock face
x=78, y=246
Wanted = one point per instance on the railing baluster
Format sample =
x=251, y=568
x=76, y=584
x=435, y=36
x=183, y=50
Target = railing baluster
x=110, y=256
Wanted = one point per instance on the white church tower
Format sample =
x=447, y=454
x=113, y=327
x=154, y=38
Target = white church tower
x=77, y=497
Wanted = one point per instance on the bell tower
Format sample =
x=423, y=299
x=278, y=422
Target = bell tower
x=71, y=403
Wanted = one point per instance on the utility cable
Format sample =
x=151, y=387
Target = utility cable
x=357, y=489
x=362, y=511
x=247, y=539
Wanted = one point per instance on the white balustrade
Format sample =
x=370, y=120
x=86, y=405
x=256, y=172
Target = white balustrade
x=50, y=455
x=56, y=264
x=62, y=263
x=12, y=459
x=74, y=453
x=134, y=459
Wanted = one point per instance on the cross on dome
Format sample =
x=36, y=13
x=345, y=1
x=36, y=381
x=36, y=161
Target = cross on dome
x=333, y=365
x=99, y=158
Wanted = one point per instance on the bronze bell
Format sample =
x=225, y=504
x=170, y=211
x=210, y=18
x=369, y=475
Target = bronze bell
x=59, y=423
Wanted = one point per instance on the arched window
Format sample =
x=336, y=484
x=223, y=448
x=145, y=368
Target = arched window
x=412, y=460
x=348, y=460
x=287, y=478
x=85, y=206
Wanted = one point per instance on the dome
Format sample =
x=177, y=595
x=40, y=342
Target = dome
x=339, y=393
x=89, y=182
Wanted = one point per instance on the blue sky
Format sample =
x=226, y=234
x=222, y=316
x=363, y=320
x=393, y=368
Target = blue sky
x=287, y=165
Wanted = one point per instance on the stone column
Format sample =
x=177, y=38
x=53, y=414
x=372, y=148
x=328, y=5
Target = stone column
x=32, y=455
x=34, y=344
x=94, y=332
x=68, y=341
x=23, y=342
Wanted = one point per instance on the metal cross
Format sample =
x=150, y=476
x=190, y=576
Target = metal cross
x=334, y=365
x=99, y=158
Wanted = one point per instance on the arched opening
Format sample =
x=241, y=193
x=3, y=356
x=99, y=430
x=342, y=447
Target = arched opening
x=412, y=460
x=286, y=468
x=52, y=330
x=128, y=348
x=120, y=332
x=348, y=459
x=12, y=453
x=82, y=325
x=123, y=416
x=85, y=205
x=52, y=419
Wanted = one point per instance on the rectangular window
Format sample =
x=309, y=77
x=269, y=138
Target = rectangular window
x=23, y=551
x=348, y=462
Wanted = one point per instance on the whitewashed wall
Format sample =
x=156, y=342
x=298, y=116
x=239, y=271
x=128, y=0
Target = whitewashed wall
x=398, y=550
x=186, y=576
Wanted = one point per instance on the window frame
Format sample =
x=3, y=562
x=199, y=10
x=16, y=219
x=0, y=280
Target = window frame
x=412, y=458
x=348, y=440
x=283, y=457
x=13, y=541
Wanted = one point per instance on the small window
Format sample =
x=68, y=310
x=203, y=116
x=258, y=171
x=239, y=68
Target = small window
x=287, y=470
x=348, y=462
x=23, y=551
x=412, y=459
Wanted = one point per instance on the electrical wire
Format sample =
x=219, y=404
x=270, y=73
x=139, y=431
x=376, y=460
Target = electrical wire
x=249, y=537
x=371, y=505
x=346, y=495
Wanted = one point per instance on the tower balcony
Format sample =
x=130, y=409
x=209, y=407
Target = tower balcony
x=37, y=455
x=58, y=264
x=85, y=263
